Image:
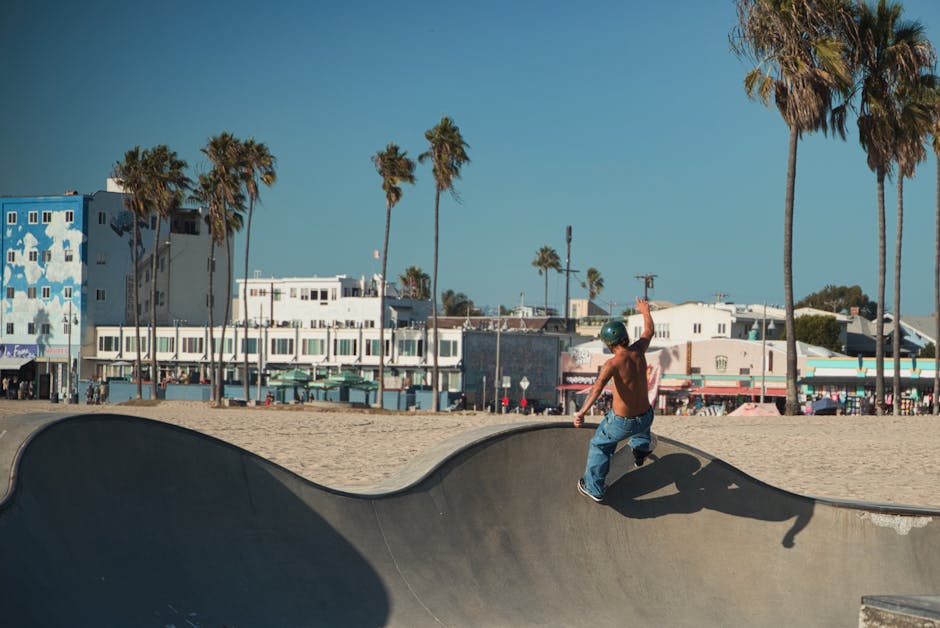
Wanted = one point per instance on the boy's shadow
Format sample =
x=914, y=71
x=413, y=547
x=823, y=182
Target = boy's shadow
x=716, y=486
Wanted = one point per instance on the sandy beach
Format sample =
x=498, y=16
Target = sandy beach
x=879, y=459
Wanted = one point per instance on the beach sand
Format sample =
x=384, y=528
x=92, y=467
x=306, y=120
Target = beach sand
x=878, y=459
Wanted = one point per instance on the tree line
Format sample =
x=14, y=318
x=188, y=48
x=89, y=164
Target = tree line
x=820, y=62
x=156, y=185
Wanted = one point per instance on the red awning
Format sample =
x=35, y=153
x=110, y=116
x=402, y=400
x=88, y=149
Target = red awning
x=573, y=387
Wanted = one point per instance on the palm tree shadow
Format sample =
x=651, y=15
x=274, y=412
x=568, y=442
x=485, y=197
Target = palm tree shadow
x=644, y=493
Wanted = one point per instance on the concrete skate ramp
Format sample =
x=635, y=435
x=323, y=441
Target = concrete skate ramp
x=119, y=521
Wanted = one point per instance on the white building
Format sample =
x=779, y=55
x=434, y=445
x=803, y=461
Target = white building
x=338, y=302
x=690, y=322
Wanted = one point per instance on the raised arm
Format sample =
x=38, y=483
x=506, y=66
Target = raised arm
x=643, y=307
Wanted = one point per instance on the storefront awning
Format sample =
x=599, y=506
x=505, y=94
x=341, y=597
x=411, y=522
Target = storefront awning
x=573, y=387
x=14, y=364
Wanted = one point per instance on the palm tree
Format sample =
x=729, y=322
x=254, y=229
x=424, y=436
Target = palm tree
x=916, y=104
x=448, y=154
x=256, y=165
x=415, y=283
x=936, y=270
x=546, y=258
x=890, y=52
x=132, y=176
x=395, y=168
x=458, y=304
x=593, y=282
x=168, y=186
x=220, y=191
x=801, y=53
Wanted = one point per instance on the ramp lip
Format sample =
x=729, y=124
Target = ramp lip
x=415, y=472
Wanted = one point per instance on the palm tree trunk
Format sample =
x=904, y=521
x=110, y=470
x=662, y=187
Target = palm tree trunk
x=136, y=259
x=251, y=205
x=435, y=385
x=209, y=300
x=792, y=404
x=880, y=321
x=896, y=340
x=936, y=289
x=546, y=292
x=153, y=309
x=381, y=391
x=227, y=312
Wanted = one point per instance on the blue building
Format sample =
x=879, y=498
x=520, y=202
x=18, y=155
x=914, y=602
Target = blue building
x=68, y=267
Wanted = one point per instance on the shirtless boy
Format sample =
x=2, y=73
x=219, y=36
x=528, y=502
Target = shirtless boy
x=631, y=414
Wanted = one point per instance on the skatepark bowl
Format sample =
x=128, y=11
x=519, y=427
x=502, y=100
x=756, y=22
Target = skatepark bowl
x=109, y=520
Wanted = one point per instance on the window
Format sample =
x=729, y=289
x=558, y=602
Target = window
x=109, y=343
x=68, y=255
x=34, y=256
x=102, y=218
x=46, y=217
x=11, y=257
x=313, y=346
x=373, y=347
x=323, y=294
x=166, y=344
x=11, y=219
x=696, y=328
x=448, y=348
x=744, y=371
x=10, y=292
x=67, y=292
x=411, y=347
x=32, y=218
x=9, y=328
x=45, y=329
x=277, y=295
x=227, y=347
x=293, y=293
x=100, y=295
x=31, y=292
x=282, y=346
x=722, y=328
x=249, y=345
x=130, y=344
x=47, y=256
x=101, y=259
x=192, y=345
x=69, y=215
x=661, y=330
x=30, y=328
x=46, y=292
x=344, y=346
x=721, y=363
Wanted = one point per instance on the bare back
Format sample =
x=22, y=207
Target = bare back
x=627, y=370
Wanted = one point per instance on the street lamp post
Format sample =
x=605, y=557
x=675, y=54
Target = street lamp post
x=763, y=351
x=69, y=320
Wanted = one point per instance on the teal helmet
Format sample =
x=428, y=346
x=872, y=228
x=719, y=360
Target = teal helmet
x=614, y=333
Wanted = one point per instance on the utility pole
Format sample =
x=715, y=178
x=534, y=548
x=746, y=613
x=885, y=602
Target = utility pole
x=567, y=273
x=647, y=284
x=720, y=295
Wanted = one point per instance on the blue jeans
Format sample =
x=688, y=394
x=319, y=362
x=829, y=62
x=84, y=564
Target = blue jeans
x=611, y=431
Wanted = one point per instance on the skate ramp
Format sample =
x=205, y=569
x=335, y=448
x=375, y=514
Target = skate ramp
x=119, y=521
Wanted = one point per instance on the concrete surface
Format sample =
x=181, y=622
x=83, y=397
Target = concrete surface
x=119, y=521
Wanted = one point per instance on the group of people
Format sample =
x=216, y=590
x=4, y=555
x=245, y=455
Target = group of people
x=15, y=388
x=96, y=392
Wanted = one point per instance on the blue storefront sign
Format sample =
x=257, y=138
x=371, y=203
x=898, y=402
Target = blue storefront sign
x=19, y=351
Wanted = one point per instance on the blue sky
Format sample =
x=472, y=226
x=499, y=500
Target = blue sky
x=626, y=120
